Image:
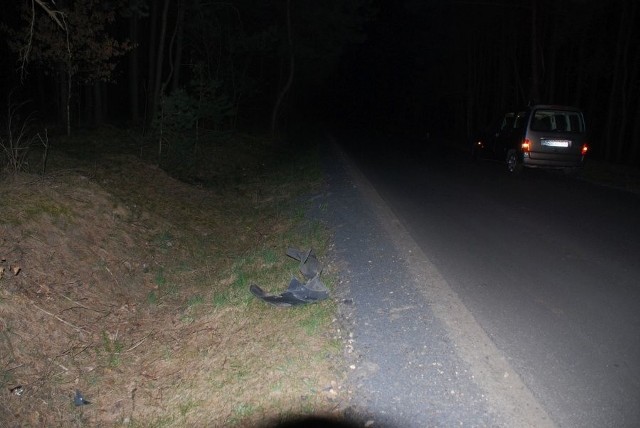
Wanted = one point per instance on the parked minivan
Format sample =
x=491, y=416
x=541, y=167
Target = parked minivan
x=542, y=136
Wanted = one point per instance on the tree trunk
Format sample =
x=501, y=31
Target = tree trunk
x=581, y=72
x=549, y=70
x=177, y=63
x=624, y=133
x=535, y=78
x=634, y=155
x=153, y=36
x=472, y=73
x=68, y=100
x=134, y=58
x=634, y=131
x=612, y=124
x=287, y=86
x=159, y=60
x=98, y=103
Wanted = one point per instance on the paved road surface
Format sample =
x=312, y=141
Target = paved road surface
x=547, y=265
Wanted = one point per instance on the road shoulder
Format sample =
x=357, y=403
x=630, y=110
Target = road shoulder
x=418, y=355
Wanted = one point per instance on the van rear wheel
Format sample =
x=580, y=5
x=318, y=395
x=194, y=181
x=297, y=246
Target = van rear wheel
x=514, y=165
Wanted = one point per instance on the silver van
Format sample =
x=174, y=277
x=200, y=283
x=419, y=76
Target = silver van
x=543, y=136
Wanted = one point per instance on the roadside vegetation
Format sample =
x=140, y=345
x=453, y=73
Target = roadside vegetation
x=131, y=286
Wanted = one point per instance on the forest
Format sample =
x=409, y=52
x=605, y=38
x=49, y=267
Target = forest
x=453, y=67
x=421, y=66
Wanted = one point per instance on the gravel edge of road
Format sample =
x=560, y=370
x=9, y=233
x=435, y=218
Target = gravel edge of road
x=507, y=394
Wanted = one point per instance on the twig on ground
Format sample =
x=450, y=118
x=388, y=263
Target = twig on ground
x=59, y=319
x=114, y=277
x=79, y=304
x=59, y=365
x=136, y=345
x=13, y=368
x=9, y=344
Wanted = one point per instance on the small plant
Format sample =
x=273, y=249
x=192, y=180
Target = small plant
x=270, y=257
x=164, y=240
x=152, y=298
x=316, y=318
x=113, y=347
x=195, y=301
x=241, y=281
x=221, y=299
x=185, y=407
x=241, y=412
x=160, y=279
x=17, y=139
x=164, y=286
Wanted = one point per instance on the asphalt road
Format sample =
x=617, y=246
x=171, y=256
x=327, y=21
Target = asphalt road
x=548, y=265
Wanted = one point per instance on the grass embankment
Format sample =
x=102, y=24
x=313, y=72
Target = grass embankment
x=133, y=288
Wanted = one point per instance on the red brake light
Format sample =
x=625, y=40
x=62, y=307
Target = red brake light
x=526, y=145
x=585, y=149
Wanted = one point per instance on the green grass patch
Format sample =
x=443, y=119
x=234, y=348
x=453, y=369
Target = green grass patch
x=152, y=298
x=242, y=412
x=29, y=204
x=317, y=317
x=160, y=280
x=164, y=240
x=187, y=406
x=195, y=301
x=46, y=208
x=113, y=349
x=221, y=299
x=269, y=256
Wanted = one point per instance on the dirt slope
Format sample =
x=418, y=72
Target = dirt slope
x=131, y=287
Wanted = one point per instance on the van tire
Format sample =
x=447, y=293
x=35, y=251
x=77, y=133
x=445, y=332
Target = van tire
x=514, y=165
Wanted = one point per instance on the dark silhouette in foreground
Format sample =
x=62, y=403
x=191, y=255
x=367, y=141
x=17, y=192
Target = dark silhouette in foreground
x=314, y=422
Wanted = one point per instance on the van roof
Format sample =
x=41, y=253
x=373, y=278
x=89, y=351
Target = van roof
x=553, y=107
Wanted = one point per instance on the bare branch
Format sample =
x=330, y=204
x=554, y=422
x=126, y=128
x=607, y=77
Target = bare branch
x=55, y=15
x=27, y=49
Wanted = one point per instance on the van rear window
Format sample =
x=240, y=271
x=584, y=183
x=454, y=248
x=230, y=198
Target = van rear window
x=557, y=120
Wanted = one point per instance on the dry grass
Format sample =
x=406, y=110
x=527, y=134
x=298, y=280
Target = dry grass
x=133, y=288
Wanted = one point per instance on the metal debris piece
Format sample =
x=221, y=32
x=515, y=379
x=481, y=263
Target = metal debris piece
x=309, y=264
x=298, y=293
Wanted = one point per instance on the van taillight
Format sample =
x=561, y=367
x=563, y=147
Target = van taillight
x=584, y=150
x=526, y=145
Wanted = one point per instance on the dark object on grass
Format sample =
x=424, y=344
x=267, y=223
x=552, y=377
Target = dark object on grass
x=309, y=264
x=79, y=400
x=296, y=294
